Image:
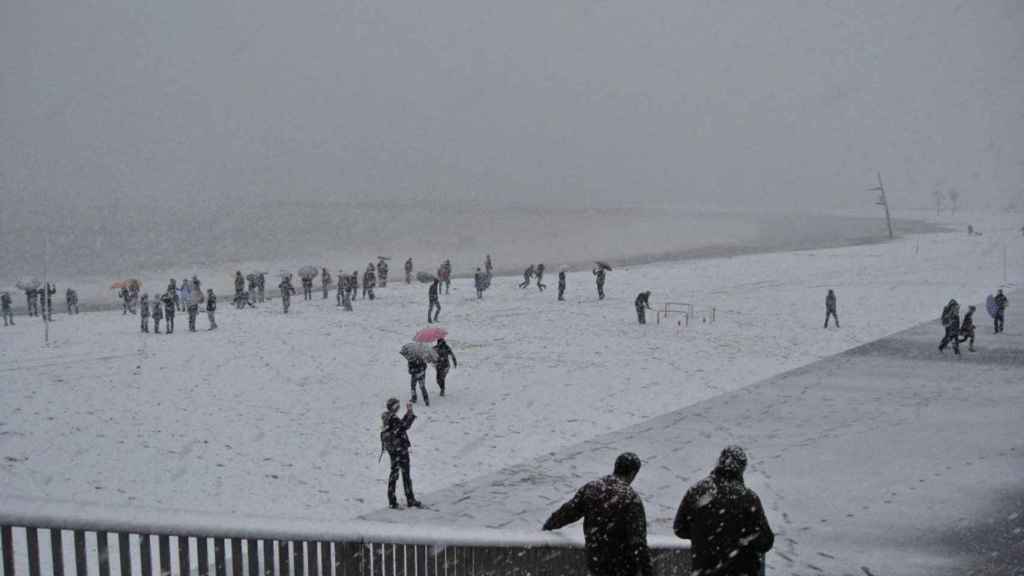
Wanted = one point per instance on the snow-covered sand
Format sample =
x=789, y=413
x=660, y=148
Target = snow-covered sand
x=279, y=414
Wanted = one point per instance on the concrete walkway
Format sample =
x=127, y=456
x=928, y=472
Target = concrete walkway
x=891, y=458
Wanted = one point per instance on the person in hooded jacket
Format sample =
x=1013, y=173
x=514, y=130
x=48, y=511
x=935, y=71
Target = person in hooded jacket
x=444, y=351
x=614, y=522
x=951, y=321
x=394, y=439
x=724, y=521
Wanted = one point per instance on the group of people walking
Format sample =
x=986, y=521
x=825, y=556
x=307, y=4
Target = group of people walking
x=959, y=330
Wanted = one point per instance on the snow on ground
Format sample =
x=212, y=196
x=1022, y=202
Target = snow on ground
x=279, y=413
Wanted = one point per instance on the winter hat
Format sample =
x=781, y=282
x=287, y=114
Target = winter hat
x=733, y=459
x=393, y=404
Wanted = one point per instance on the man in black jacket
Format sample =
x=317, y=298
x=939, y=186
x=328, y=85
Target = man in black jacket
x=211, y=308
x=724, y=521
x=1001, y=303
x=444, y=351
x=830, y=308
x=433, y=301
x=614, y=522
x=951, y=321
x=394, y=439
x=642, y=303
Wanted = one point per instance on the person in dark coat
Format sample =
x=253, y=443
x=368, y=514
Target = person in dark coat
x=539, y=272
x=5, y=308
x=478, y=283
x=307, y=287
x=599, y=275
x=193, y=311
x=418, y=375
x=353, y=284
x=394, y=439
x=144, y=312
x=561, y=285
x=71, y=301
x=724, y=521
x=830, y=308
x=325, y=281
x=211, y=308
x=286, y=292
x=967, y=329
x=239, y=285
x=408, y=271
x=444, y=351
x=614, y=522
x=382, y=273
x=158, y=314
x=169, y=307
x=369, y=281
x=951, y=321
x=434, y=303
x=527, y=276
x=642, y=303
x=1001, y=303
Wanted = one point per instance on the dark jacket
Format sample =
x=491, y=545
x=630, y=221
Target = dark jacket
x=600, y=275
x=725, y=522
x=614, y=524
x=211, y=303
x=443, y=352
x=1001, y=302
x=643, y=300
x=417, y=366
x=830, y=302
x=168, y=301
x=394, y=431
x=432, y=292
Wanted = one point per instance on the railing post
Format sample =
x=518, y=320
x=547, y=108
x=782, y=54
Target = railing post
x=203, y=555
x=145, y=555
x=103, y=551
x=268, y=558
x=165, y=554
x=298, y=558
x=236, y=557
x=252, y=551
x=184, y=560
x=325, y=559
x=282, y=558
x=57, y=551
x=81, y=568
x=32, y=535
x=7, y=542
x=314, y=556
x=124, y=553
x=219, y=561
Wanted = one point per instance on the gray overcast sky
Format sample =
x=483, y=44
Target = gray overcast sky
x=737, y=103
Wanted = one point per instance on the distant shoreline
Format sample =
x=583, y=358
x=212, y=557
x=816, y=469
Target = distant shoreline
x=718, y=250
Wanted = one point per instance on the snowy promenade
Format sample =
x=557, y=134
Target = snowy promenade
x=889, y=456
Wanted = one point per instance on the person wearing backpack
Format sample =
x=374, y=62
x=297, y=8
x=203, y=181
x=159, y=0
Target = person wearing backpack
x=394, y=439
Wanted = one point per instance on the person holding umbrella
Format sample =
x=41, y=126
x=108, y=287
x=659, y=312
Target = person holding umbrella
x=394, y=439
x=443, y=353
x=599, y=273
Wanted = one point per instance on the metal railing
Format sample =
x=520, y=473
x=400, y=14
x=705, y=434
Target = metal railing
x=63, y=538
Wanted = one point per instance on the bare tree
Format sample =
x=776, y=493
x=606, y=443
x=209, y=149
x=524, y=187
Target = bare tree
x=954, y=199
x=937, y=194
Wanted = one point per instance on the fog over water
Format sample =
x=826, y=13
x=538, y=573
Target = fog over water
x=148, y=135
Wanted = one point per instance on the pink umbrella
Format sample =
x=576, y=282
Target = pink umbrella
x=430, y=334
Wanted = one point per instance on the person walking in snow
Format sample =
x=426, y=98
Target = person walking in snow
x=30, y=302
x=446, y=275
x=433, y=302
x=307, y=287
x=724, y=521
x=394, y=438
x=830, y=308
x=71, y=301
x=1001, y=303
x=325, y=281
x=192, y=306
x=382, y=272
x=144, y=312
x=158, y=314
x=527, y=276
x=169, y=308
x=967, y=329
x=342, y=287
x=599, y=274
x=408, y=271
x=211, y=308
x=478, y=283
x=185, y=293
x=5, y=309
x=951, y=321
x=488, y=266
x=540, y=278
x=444, y=351
x=418, y=376
x=614, y=522
x=369, y=281
x=642, y=304
x=286, y=292
x=561, y=285
x=239, y=286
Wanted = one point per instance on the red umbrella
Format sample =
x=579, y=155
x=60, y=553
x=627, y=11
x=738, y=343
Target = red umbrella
x=430, y=334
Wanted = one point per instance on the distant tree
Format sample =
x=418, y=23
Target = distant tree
x=937, y=194
x=954, y=199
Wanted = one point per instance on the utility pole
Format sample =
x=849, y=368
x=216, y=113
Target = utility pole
x=882, y=202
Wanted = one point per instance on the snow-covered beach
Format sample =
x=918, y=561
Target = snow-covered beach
x=279, y=414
